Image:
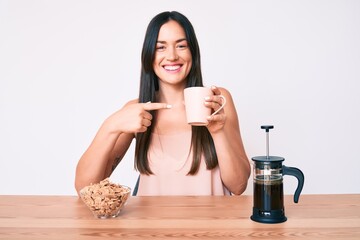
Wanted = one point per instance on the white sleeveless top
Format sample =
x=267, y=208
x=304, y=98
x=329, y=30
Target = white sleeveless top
x=170, y=162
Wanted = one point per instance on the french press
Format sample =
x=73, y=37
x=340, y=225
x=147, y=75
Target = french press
x=268, y=186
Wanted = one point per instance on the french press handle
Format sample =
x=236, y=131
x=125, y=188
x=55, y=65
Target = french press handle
x=300, y=177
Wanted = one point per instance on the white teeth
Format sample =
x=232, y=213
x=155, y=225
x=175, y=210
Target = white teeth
x=172, y=68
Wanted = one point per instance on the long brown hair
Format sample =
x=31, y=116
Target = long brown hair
x=201, y=140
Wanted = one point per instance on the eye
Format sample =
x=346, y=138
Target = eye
x=182, y=46
x=160, y=47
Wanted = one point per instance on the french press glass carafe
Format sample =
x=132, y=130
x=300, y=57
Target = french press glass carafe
x=268, y=196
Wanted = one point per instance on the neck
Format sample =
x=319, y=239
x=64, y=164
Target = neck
x=172, y=96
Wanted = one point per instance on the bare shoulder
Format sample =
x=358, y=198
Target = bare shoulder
x=226, y=93
x=230, y=105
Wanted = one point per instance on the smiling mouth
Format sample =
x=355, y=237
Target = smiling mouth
x=172, y=67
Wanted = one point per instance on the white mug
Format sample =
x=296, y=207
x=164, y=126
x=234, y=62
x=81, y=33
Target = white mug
x=196, y=111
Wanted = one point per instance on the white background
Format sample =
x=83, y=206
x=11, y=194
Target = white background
x=67, y=65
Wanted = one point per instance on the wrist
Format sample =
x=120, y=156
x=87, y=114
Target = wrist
x=109, y=126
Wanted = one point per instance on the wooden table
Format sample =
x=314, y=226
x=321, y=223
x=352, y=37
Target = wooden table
x=66, y=218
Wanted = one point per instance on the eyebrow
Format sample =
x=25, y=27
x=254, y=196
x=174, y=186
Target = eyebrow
x=177, y=41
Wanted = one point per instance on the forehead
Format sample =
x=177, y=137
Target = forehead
x=171, y=31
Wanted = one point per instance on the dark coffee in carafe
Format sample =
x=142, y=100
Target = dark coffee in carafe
x=268, y=195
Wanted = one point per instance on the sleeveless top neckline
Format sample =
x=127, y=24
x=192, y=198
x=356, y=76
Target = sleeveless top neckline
x=170, y=159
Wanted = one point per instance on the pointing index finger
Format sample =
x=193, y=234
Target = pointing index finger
x=156, y=106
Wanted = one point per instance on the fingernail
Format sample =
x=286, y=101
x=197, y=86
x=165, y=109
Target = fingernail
x=207, y=98
x=149, y=102
x=168, y=106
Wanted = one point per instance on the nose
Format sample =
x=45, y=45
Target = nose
x=172, y=54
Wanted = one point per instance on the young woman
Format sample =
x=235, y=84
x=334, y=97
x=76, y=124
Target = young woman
x=173, y=158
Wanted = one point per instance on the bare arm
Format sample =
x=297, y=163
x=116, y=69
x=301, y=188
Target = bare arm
x=233, y=162
x=112, y=142
x=98, y=161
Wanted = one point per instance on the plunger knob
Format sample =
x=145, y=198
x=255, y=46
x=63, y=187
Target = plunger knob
x=267, y=127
